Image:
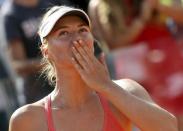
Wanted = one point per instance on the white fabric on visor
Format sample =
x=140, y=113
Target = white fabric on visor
x=55, y=14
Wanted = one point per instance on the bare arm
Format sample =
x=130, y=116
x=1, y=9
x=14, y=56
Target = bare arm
x=22, y=65
x=137, y=106
x=135, y=103
x=129, y=36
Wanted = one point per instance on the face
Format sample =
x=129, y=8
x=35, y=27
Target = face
x=60, y=41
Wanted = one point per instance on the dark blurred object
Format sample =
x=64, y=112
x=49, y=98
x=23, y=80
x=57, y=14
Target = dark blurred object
x=3, y=121
x=3, y=73
x=83, y=4
x=97, y=48
x=109, y=58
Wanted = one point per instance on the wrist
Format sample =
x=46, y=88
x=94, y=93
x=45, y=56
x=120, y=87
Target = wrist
x=107, y=88
x=139, y=23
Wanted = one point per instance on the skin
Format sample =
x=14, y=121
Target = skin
x=22, y=65
x=130, y=32
x=78, y=81
x=27, y=3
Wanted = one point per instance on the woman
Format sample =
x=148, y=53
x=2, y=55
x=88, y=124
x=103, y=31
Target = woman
x=84, y=98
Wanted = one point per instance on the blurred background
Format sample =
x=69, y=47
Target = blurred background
x=142, y=40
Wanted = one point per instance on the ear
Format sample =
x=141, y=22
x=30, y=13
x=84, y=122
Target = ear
x=44, y=50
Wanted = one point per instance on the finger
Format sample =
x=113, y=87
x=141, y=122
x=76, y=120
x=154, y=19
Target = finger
x=86, y=48
x=79, y=58
x=91, y=55
x=82, y=52
x=77, y=66
x=89, y=52
x=94, y=62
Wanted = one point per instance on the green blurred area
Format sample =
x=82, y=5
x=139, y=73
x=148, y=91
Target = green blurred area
x=166, y=2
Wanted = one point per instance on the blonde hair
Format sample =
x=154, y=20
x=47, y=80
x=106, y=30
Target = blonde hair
x=48, y=69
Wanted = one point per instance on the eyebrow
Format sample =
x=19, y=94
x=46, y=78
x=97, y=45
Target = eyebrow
x=65, y=26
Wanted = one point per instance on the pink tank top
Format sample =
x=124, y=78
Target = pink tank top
x=110, y=122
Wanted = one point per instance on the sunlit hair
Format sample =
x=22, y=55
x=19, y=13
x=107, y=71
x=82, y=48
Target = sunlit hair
x=48, y=69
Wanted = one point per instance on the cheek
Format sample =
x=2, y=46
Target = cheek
x=55, y=50
x=88, y=39
x=57, y=46
x=90, y=44
x=51, y=54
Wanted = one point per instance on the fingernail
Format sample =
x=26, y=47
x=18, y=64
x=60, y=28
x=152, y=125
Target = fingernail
x=73, y=48
x=75, y=42
x=80, y=41
x=72, y=59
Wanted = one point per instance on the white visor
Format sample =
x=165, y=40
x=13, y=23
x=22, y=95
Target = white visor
x=55, y=14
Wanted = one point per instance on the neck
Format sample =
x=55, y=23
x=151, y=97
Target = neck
x=70, y=91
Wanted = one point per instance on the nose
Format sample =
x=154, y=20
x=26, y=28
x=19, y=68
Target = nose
x=76, y=37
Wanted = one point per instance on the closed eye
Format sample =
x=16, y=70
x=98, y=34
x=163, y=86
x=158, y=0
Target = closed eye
x=63, y=33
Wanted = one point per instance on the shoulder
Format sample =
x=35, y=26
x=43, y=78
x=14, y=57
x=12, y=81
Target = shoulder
x=27, y=117
x=134, y=88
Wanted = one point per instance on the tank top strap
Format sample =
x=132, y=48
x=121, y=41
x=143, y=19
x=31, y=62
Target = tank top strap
x=104, y=103
x=48, y=113
x=106, y=106
x=110, y=121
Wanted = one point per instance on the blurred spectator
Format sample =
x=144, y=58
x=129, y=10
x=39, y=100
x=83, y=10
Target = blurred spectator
x=21, y=20
x=129, y=22
x=150, y=53
x=174, y=10
x=3, y=98
x=8, y=93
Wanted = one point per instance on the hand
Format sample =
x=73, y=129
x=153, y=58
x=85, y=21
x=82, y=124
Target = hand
x=93, y=71
x=146, y=10
x=153, y=3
